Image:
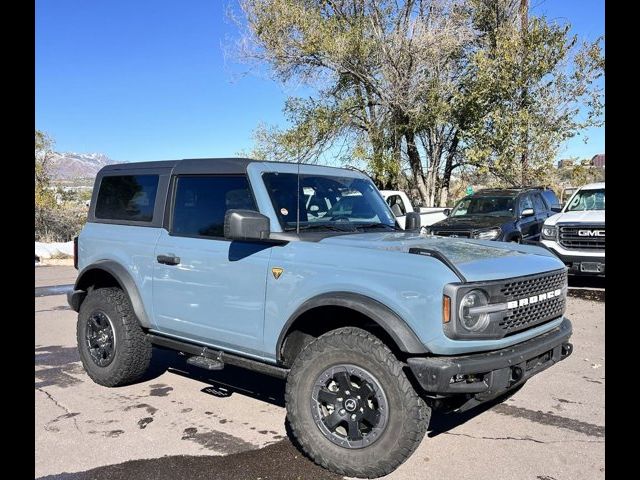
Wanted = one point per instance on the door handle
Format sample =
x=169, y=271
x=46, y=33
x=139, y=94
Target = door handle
x=169, y=259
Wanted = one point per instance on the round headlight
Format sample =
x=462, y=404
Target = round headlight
x=473, y=321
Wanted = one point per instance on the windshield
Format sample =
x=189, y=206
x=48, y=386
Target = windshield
x=494, y=206
x=586, y=200
x=326, y=202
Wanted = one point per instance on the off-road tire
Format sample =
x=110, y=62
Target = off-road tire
x=408, y=414
x=132, y=349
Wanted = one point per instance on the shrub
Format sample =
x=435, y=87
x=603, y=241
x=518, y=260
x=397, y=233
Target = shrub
x=58, y=224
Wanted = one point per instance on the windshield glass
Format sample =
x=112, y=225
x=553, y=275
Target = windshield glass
x=587, y=200
x=327, y=202
x=494, y=206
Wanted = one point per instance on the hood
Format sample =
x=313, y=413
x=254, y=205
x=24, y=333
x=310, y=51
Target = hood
x=586, y=217
x=471, y=222
x=476, y=259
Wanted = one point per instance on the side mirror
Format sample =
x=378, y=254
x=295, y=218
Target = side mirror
x=246, y=225
x=527, y=212
x=413, y=221
x=447, y=212
x=556, y=208
x=396, y=210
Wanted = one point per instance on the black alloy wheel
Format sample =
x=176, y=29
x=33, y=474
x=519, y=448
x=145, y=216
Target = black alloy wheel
x=100, y=338
x=349, y=406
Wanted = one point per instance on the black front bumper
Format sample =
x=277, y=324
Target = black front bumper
x=489, y=374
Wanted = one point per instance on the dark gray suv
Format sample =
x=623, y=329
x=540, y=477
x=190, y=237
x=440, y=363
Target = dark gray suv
x=509, y=215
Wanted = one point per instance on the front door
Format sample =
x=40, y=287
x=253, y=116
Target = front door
x=542, y=212
x=206, y=288
x=528, y=225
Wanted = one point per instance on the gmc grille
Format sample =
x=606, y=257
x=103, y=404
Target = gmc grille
x=532, y=315
x=579, y=237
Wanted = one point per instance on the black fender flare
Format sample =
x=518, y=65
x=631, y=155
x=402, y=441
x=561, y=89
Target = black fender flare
x=399, y=331
x=124, y=279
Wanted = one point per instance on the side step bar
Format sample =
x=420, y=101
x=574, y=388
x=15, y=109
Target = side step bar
x=207, y=358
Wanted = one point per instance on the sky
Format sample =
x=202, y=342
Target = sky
x=155, y=79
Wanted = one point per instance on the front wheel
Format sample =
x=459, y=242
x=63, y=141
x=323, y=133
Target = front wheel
x=351, y=407
x=113, y=347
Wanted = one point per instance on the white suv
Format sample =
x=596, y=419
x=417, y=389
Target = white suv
x=577, y=234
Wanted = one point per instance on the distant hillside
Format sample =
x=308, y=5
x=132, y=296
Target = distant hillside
x=70, y=165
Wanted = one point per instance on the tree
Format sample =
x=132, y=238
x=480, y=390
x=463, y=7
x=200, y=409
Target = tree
x=424, y=86
x=44, y=196
x=53, y=222
x=531, y=87
x=384, y=75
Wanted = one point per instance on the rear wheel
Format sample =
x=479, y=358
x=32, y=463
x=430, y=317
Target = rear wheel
x=113, y=348
x=351, y=407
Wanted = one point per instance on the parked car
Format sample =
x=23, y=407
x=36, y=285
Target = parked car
x=400, y=205
x=577, y=234
x=372, y=327
x=508, y=215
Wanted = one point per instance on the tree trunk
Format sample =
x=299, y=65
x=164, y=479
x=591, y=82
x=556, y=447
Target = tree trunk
x=416, y=166
x=448, y=169
x=524, y=27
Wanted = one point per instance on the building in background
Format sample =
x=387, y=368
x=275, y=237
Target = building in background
x=598, y=160
x=565, y=163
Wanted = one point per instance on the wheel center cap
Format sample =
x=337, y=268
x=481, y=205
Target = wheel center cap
x=350, y=404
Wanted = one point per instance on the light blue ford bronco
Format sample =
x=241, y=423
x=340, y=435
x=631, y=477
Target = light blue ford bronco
x=302, y=272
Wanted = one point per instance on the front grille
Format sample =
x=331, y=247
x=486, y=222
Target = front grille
x=452, y=233
x=527, y=287
x=570, y=238
x=534, y=314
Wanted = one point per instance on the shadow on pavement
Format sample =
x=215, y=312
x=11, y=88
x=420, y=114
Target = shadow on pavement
x=222, y=383
x=587, y=288
x=278, y=461
x=585, y=281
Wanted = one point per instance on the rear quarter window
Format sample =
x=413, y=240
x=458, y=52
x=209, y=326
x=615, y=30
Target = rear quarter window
x=127, y=197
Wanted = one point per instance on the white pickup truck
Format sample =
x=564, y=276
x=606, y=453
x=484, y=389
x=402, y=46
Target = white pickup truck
x=400, y=205
x=577, y=234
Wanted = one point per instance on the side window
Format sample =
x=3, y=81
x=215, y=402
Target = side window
x=550, y=198
x=127, y=197
x=202, y=201
x=525, y=202
x=396, y=200
x=539, y=204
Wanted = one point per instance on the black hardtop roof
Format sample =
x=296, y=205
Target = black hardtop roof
x=232, y=165
x=187, y=165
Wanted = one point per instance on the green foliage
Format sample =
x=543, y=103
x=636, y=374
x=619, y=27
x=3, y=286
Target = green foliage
x=530, y=91
x=44, y=196
x=580, y=173
x=53, y=222
x=425, y=86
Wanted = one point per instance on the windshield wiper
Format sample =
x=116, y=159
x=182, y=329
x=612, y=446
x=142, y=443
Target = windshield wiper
x=377, y=225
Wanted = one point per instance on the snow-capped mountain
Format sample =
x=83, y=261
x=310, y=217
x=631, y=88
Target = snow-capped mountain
x=70, y=165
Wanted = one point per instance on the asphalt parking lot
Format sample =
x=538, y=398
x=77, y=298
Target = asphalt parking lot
x=184, y=422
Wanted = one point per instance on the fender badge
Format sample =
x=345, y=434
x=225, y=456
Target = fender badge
x=277, y=271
